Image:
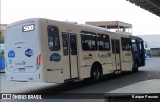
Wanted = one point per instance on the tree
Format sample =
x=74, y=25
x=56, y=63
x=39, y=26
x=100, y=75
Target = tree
x=1, y=38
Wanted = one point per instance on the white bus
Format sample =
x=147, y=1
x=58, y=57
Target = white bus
x=52, y=51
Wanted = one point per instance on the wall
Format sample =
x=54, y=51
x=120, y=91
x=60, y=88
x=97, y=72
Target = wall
x=155, y=51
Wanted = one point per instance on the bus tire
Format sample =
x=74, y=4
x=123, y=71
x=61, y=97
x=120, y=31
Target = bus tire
x=135, y=67
x=95, y=74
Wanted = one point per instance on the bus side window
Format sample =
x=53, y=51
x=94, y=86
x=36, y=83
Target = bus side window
x=140, y=46
x=88, y=40
x=123, y=43
x=117, y=47
x=134, y=45
x=73, y=45
x=65, y=43
x=103, y=42
x=126, y=44
x=53, y=38
x=113, y=47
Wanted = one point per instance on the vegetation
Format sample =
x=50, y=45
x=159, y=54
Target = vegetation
x=1, y=38
x=156, y=56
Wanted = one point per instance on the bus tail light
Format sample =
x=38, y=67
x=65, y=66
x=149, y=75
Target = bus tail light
x=61, y=73
x=39, y=60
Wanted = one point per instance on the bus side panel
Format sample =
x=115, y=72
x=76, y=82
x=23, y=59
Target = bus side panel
x=52, y=70
x=84, y=72
x=113, y=60
x=41, y=42
x=85, y=61
x=126, y=58
x=105, y=58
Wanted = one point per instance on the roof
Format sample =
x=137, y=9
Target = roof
x=149, y=5
x=110, y=24
x=136, y=37
x=150, y=38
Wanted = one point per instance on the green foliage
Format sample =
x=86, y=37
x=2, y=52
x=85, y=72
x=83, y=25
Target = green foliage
x=1, y=38
x=156, y=56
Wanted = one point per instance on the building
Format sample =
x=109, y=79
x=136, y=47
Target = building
x=2, y=28
x=149, y=5
x=115, y=26
x=152, y=43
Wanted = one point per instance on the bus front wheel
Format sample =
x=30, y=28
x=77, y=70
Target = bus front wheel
x=95, y=74
x=135, y=67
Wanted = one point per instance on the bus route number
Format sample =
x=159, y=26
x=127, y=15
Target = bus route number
x=28, y=28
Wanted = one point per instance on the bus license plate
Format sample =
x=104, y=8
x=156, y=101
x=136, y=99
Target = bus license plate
x=21, y=70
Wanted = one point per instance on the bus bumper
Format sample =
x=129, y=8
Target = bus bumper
x=23, y=77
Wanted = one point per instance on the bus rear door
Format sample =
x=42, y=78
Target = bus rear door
x=70, y=54
x=116, y=52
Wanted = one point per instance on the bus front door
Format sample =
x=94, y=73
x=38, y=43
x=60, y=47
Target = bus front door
x=116, y=52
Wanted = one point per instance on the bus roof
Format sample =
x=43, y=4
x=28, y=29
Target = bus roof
x=136, y=38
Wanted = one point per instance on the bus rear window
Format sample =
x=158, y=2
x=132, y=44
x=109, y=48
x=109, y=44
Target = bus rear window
x=53, y=38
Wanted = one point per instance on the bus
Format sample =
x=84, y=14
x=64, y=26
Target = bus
x=52, y=51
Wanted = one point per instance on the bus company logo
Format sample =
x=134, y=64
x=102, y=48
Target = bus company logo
x=55, y=57
x=6, y=96
x=104, y=56
x=11, y=54
x=10, y=61
x=20, y=63
x=29, y=52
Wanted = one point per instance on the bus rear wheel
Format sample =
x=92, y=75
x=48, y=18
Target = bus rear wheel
x=135, y=67
x=95, y=74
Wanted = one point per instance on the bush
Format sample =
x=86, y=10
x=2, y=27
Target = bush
x=1, y=39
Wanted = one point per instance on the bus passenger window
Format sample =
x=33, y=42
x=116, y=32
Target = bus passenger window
x=88, y=40
x=126, y=44
x=134, y=45
x=113, y=46
x=103, y=42
x=50, y=39
x=123, y=43
x=65, y=44
x=117, y=47
x=53, y=38
x=73, y=45
x=140, y=46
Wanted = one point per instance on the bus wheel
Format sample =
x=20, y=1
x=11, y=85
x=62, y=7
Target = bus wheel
x=135, y=67
x=95, y=74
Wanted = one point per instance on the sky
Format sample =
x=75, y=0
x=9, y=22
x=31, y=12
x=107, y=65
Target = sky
x=143, y=22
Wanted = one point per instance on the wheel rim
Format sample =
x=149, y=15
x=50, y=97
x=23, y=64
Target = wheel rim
x=135, y=69
x=136, y=66
x=96, y=74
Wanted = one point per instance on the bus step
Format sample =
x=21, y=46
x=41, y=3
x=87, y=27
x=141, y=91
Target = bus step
x=117, y=72
x=72, y=80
